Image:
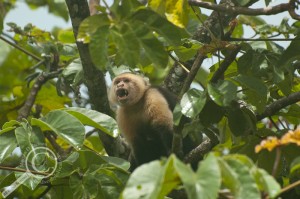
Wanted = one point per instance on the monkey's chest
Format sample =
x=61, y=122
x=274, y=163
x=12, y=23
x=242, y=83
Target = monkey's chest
x=132, y=125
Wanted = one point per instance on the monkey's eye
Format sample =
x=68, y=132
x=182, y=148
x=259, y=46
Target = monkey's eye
x=126, y=80
x=116, y=82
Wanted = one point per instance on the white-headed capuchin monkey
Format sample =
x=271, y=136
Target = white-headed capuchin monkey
x=144, y=116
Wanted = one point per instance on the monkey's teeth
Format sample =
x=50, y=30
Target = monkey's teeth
x=122, y=93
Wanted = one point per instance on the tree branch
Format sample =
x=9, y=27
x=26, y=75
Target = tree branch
x=62, y=153
x=274, y=107
x=40, y=80
x=242, y=10
x=94, y=78
x=177, y=75
x=225, y=64
x=192, y=74
x=197, y=153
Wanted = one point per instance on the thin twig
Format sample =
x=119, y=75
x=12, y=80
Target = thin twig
x=261, y=39
x=24, y=170
x=180, y=63
x=21, y=49
x=193, y=72
x=291, y=186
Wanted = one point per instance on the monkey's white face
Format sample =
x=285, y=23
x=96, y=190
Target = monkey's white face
x=128, y=89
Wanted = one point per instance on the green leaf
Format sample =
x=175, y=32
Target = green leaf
x=154, y=50
x=171, y=33
x=11, y=123
x=117, y=162
x=66, y=36
x=95, y=119
x=291, y=53
x=7, y=145
x=211, y=113
x=171, y=178
x=99, y=47
x=240, y=121
x=247, y=186
x=111, y=179
x=66, y=167
x=145, y=182
x=29, y=138
x=266, y=182
x=64, y=125
x=176, y=11
x=126, y=43
x=187, y=50
x=47, y=97
x=205, y=183
x=85, y=186
x=192, y=102
x=255, y=90
x=222, y=93
x=9, y=126
x=74, y=72
x=88, y=158
x=90, y=26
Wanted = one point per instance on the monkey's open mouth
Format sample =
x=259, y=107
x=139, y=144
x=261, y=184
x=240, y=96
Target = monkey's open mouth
x=121, y=93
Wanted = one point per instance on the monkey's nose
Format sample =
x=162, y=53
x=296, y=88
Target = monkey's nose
x=120, y=85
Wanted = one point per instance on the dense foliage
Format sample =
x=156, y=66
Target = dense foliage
x=58, y=136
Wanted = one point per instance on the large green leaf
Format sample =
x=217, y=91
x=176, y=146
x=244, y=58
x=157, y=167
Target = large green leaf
x=266, y=182
x=66, y=167
x=95, y=119
x=154, y=49
x=241, y=121
x=176, y=11
x=29, y=138
x=145, y=182
x=64, y=125
x=90, y=26
x=205, y=183
x=222, y=93
x=291, y=53
x=8, y=126
x=248, y=187
x=99, y=47
x=171, y=33
x=211, y=113
x=255, y=90
x=7, y=145
x=126, y=43
x=74, y=72
x=192, y=102
x=86, y=186
x=152, y=180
